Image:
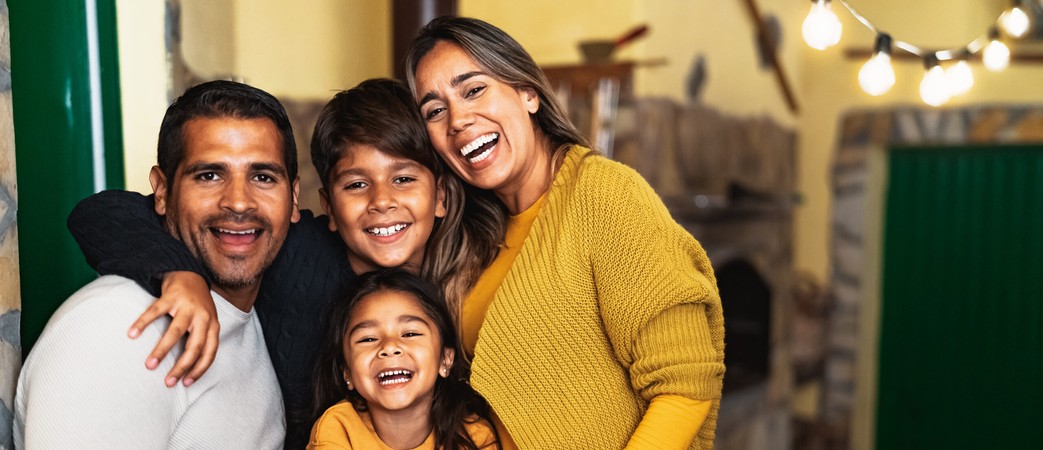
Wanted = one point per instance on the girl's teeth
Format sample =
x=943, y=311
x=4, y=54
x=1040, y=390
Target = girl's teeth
x=394, y=377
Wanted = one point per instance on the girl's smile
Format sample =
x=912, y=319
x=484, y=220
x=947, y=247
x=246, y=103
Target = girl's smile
x=394, y=353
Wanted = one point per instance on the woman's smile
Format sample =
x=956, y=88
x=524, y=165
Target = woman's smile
x=482, y=126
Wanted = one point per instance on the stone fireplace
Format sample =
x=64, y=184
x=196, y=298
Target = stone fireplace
x=729, y=181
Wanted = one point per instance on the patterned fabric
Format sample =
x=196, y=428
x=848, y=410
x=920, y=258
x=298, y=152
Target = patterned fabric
x=10, y=304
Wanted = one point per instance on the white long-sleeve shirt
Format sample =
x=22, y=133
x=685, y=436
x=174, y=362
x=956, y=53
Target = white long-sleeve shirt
x=85, y=385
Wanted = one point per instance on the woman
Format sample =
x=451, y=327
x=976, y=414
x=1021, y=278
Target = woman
x=605, y=328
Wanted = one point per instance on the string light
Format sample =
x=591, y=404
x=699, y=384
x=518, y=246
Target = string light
x=822, y=29
x=934, y=89
x=1014, y=21
x=959, y=75
x=877, y=76
x=996, y=56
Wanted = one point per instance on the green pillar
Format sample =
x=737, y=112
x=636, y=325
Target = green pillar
x=55, y=138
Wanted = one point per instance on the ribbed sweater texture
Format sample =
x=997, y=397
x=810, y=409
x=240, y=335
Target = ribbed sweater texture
x=84, y=385
x=556, y=356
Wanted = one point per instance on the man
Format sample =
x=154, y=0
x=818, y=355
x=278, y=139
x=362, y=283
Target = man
x=226, y=186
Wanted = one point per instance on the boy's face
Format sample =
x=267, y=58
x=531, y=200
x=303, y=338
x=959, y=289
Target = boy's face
x=383, y=207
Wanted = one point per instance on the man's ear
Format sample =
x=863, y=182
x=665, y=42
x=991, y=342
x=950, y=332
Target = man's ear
x=159, y=187
x=327, y=207
x=440, y=206
x=531, y=99
x=296, y=215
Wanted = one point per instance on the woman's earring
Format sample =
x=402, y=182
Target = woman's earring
x=444, y=372
x=349, y=385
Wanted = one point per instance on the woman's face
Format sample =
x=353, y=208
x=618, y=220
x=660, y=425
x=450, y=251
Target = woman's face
x=479, y=125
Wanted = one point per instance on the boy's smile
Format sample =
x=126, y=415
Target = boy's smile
x=383, y=207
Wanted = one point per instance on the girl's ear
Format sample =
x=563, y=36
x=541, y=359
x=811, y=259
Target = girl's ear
x=440, y=206
x=447, y=362
x=324, y=200
x=347, y=379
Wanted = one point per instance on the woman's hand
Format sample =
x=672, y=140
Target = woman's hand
x=186, y=298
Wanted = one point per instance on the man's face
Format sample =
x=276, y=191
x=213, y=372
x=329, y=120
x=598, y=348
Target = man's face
x=231, y=200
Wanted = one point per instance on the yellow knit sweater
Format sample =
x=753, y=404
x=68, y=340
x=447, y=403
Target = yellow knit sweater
x=556, y=354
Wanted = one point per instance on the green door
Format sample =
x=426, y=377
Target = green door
x=65, y=95
x=961, y=349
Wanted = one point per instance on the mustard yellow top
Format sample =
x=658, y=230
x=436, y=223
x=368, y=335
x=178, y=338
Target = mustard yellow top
x=570, y=325
x=477, y=302
x=342, y=427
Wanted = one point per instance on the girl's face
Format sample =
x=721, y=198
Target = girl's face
x=383, y=207
x=394, y=353
x=480, y=126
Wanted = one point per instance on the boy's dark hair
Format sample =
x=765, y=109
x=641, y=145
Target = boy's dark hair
x=454, y=399
x=373, y=113
x=382, y=113
x=216, y=99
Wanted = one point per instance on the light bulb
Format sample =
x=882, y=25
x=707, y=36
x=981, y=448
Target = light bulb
x=996, y=56
x=1015, y=22
x=877, y=76
x=934, y=90
x=959, y=77
x=821, y=28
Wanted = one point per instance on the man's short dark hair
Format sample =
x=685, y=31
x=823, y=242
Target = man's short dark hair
x=217, y=99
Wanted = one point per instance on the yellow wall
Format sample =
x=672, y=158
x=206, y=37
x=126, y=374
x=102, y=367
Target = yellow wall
x=144, y=80
x=679, y=31
x=312, y=49
x=294, y=50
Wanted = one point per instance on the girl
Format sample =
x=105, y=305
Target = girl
x=390, y=202
x=596, y=290
x=389, y=358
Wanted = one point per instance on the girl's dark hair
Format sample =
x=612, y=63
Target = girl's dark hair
x=382, y=113
x=454, y=399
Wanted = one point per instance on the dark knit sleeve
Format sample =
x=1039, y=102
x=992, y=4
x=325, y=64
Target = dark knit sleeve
x=120, y=233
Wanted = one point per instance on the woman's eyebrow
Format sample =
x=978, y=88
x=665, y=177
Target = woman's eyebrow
x=431, y=95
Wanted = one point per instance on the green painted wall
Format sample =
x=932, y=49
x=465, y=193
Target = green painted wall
x=961, y=348
x=52, y=117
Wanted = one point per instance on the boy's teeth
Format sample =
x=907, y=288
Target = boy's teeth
x=480, y=141
x=381, y=231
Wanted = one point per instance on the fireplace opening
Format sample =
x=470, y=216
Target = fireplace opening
x=746, y=298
